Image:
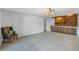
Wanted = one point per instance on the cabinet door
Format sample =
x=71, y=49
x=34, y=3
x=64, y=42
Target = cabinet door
x=54, y=29
x=61, y=29
x=66, y=30
x=71, y=20
x=59, y=21
x=73, y=31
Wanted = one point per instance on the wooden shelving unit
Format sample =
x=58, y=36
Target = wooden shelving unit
x=65, y=24
x=66, y=20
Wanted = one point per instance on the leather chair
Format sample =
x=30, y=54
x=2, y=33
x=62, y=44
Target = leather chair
x=8, y=34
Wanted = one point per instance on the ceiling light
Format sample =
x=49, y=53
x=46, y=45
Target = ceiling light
x=71, y=14
x=50, y=12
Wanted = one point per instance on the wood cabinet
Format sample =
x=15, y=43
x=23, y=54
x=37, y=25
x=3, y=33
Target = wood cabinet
x=59, y=21
x=66, y=20
x=64, y=29
x=65, y=24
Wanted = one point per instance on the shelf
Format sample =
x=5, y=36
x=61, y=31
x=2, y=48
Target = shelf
x=66, y=20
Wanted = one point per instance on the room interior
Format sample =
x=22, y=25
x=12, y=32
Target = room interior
x=40, y=29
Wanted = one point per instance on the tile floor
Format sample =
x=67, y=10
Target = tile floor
x=47, y=41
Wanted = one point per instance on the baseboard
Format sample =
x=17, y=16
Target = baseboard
x=23, y=35
x=0, y=43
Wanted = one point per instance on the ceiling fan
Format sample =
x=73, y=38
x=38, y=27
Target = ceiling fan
x=50, y=12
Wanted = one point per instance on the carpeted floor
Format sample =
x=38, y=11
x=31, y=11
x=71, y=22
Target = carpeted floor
x=47, y=41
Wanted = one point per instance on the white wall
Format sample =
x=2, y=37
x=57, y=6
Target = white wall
x=78, y=26
x=12, y=19
x=23, y=24
x=49, y=22
x=32, y=24
x=0, y=28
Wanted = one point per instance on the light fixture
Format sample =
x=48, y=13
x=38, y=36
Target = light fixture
x=50, y=11
x=71, y=14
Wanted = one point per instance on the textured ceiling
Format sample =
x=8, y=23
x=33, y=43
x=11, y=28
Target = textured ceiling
x=42, y=11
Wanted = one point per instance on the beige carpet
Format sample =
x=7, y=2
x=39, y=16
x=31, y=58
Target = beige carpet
x=47, y=41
